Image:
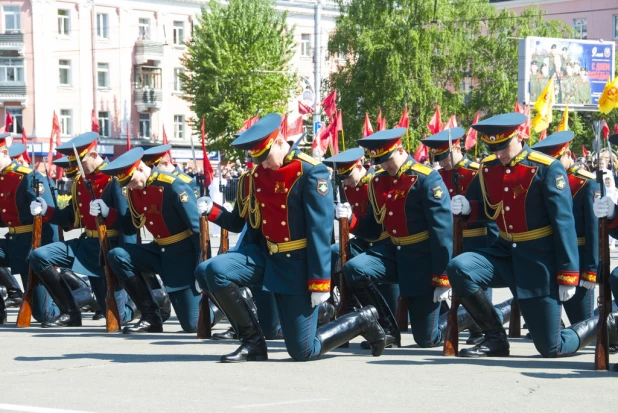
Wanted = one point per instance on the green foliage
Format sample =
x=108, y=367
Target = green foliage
x=398, y=57
x=238, y=66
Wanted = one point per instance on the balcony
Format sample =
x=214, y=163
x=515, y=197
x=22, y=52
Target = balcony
x=12, y=93
x=148, y=99
x=148, y=52
x=12, y=42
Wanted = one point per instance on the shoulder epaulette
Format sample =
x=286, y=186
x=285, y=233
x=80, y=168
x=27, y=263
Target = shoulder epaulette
x=421, y=169
x=541, y=158
x=23, y=170
x=489, y=158
x=184, y=178
x=586, y=174
x=474, y=165
x=304, y=157
x=166, y=178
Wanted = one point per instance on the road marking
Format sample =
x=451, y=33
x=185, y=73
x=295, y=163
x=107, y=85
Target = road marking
x=33, y=409
x=249, y=406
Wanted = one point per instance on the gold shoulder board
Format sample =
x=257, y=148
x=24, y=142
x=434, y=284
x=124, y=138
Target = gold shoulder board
x=541, y=158
x=166, y=178
x=304, y=157
x=474, y=165
x=184, y=178
x=489, y=158
x=586, y=174
x=23, y=170
x=421, y=169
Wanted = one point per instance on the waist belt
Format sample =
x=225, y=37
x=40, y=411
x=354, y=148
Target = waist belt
x=174, y=238
x=21, y=229
x=274, y=248
x=93, y=233
x=410, y=239
x=527, y=235
x=383, y=236
x=476, y=232
x=581, y=241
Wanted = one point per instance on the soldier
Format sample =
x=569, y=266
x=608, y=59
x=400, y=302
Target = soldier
x=287, y=252
x=81, y=255
x=16, y=152
x=584, y=189
x=526, y=193
x=161, y=158
x=536, y=84
x=567, y=86
x=409, y=201
x=17, y=191
x=475, y=235
x=167, y=207
x=583, y=91
x=539, y=55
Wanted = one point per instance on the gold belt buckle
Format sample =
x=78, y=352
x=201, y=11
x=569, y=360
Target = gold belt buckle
x=273, y=248
x=509, y=236
x=11, y=230
x=395, y=241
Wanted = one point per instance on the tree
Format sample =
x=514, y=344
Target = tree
x=238, y=65
x=401, y=53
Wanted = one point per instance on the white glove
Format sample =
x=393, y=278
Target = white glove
x=204, y=205
x=460, y=205
x=440, y=294
x=319, y=298
x=604, y=207
x=343, y=210
x=566, y=292
x=587, y=284
x=38, y=207
x=97, y=207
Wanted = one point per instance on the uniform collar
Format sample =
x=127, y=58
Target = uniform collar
x=463, y=163
x=152, y=178
x=103, y=164
x=10, y=167
x=365, y=179
x=572, y=170
x=522, y=155
x=290, y=156
x=406, y=165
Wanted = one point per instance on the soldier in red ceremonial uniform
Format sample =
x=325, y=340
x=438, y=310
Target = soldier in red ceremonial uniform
x=287, y=252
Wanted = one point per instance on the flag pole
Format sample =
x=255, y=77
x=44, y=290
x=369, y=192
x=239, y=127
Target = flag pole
x=343, y=140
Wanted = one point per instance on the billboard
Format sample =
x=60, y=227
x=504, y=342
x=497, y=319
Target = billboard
x=580, y=69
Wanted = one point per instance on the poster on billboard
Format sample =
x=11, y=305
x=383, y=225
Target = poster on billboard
x=580, y=69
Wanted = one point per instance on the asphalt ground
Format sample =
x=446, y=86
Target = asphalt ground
x=88, y=370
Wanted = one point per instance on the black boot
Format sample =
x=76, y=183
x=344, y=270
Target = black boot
x=326, y=312
x=216, y=312
x=586, y=330
x=368, y=294
x=62, y=295
x=3, y=314
x=361, y=322
x=242, y=315
x=14, y=294
x=163, y=301
x=140, y=293
x=486, y=317
x=230, y=334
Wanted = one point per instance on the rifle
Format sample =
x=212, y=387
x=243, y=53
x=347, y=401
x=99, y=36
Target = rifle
x=53, y=190
x=25, y=311
x=601, y=351
x=112, y=317
x=203, y=317
x=451, y=339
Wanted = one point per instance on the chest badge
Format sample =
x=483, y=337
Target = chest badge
x=153, y=210
x=124, y=191
x=438, y=193
x=322, y=186
x=398, y=194
x=41, y=188
x=279, y=187
x=560, y=182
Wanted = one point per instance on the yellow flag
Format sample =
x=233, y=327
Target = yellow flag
x=609, y=97
x=546, y=100
x=564, y=123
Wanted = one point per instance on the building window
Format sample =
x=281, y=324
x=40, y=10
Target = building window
x=11, y=70
x=305, y=44
x=177, y=80
x=104, y=124
x=64, y=22
x=103, y=75
x=12, y=19
x=615, y=26
x=17, y=119
x=179, y=33
x=144, y=125
x=66, y=122
x=64, y=67
x=179, y=126
x=103, y=25
x=581, y=28
x=147, y=77
x=144, y=28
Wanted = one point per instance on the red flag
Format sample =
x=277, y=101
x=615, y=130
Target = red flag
x=381, y=120
x=616, y=128
x=452, y=123
x=330, y=104
x=24, y=140
x=128, y=136
x=518, y=107
x=543, y=135
x=208, y=171
x=472, y=134
x=322, y=140
x=165, y=142
x=336, y=126
x=284, y=127
x=95, y=122
x=248, y=123
x=421, y=152
x=296, y=127
x=435, y=124
x=304, y=109
x=404, y=121
x=584, y=152
x=367, y=129
x=8, y=122
x=55, y=137
x=605, y=129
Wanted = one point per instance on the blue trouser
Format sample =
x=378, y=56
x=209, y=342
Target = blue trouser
x=298, y=319
x=424, y=313
x=473, y=270
x=264, y=301
x=390, y=292
x=129, y=260
x=60, y=254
